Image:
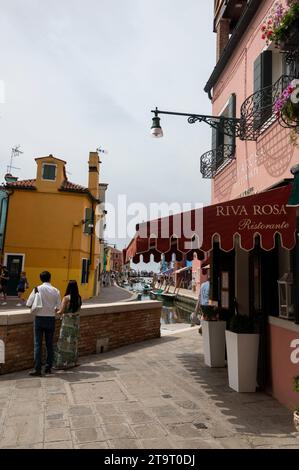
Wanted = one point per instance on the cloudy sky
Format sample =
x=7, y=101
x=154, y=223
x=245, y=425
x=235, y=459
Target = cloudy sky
x=80, y=74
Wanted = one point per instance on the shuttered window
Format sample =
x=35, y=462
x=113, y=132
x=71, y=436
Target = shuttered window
x=85, y=271
x=88, y=221
x=219, y=138
x=232, y=113
x=49, y=172
x=262, y=78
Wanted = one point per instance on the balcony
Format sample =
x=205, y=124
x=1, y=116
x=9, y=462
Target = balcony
x=215, y=160
x=257, y=111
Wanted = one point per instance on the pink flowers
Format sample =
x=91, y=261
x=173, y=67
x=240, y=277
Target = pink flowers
x=274, y=20
x=284, y=98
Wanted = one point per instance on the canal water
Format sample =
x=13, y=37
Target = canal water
x=173, y=312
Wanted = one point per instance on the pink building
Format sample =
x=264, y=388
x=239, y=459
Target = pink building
x=248, y=79
x=251, y=230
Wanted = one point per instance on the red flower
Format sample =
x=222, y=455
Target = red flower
x=264, y=27
x=269, y=34
x=263, y=36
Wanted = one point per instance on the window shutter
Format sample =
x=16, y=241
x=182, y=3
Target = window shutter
x=217, y=141
x=88, y=221
x=49, y=172
x=262, y=78
x=83, y=274
x=232, y=114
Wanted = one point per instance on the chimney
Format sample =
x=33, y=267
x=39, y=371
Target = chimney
x=223, y=34
x=94, y=174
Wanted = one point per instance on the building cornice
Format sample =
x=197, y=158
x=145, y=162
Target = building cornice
x=245, y=20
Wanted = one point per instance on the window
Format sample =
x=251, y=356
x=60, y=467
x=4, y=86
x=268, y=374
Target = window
x=262, y=78
x=85, y=271
x=49, y=172
x=224, y=144
x=88, y=221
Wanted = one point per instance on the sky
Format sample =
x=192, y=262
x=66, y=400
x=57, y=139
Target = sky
x=83, y=74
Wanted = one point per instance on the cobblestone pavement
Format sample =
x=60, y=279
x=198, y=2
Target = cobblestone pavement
x=152, y=395
x=111, y=294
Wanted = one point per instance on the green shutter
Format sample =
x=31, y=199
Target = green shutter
x=88, y=228
x=49, y=172
x=232, y=114
x=262, y=79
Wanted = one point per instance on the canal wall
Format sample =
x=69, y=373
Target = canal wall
x=103, y=327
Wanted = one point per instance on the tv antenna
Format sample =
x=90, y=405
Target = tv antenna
x=101, y=150
x=15, y=152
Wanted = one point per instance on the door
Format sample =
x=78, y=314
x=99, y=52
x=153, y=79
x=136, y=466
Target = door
x=223, y=281
x=14, y=265
x=263, y=301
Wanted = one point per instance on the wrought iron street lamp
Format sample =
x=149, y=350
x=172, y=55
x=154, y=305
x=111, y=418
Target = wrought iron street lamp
x=232, y=127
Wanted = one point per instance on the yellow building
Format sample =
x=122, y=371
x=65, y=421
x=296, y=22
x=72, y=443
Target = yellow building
x=51, y=226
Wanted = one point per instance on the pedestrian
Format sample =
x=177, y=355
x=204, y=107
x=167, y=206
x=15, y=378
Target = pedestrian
x=66, y=354
x=44, y=322
x=4, y=278
x=203, y=301
x=22, y=286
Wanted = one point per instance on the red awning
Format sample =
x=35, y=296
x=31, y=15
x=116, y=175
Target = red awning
x=264, y=214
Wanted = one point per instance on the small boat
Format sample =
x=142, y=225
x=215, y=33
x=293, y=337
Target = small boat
x=168, y=298
x=156, y=294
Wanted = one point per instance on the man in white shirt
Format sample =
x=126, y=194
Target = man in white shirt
x=44, y=322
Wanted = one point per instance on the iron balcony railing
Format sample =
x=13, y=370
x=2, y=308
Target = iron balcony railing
x=215, y=160
x=257, y=111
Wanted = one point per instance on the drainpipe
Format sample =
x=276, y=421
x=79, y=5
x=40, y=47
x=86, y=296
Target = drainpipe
x=91, y=240
x=9, y=193
x=294, y=202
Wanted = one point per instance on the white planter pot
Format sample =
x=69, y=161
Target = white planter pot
x=213, y=335
x=242, y=360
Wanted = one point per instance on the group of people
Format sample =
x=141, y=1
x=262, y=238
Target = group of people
x=21, y=287
x=4, y=278
x=46, y=305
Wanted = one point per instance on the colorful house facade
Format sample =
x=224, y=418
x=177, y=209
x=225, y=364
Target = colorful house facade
x=250, y=232
x=51, y=226
x=250, y=76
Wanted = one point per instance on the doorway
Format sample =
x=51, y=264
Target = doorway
x=14, y=263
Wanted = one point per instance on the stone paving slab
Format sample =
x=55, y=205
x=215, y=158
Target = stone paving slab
x=158, y=394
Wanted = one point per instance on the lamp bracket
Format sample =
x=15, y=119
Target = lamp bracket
x=233, y=127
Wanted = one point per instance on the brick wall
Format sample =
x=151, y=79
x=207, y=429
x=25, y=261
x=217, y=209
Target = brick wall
x=223, y=31
x=102, y=328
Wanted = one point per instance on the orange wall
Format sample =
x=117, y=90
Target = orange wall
x=282, y=369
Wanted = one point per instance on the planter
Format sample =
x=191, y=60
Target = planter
x=291, y=40
x=296, y=420
x=242, y=360
x=213, y=335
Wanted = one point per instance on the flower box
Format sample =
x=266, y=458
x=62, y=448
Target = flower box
x=291, y=40
x=213, y=334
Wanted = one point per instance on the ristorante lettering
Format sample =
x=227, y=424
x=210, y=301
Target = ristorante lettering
x=247, y=224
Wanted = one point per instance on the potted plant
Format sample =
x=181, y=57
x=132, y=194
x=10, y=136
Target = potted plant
x=282, y=26
x=213, y=334
x=242, y=345
x=296, y=412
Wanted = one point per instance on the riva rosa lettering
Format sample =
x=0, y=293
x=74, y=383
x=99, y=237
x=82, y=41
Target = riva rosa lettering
x=267, y=209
